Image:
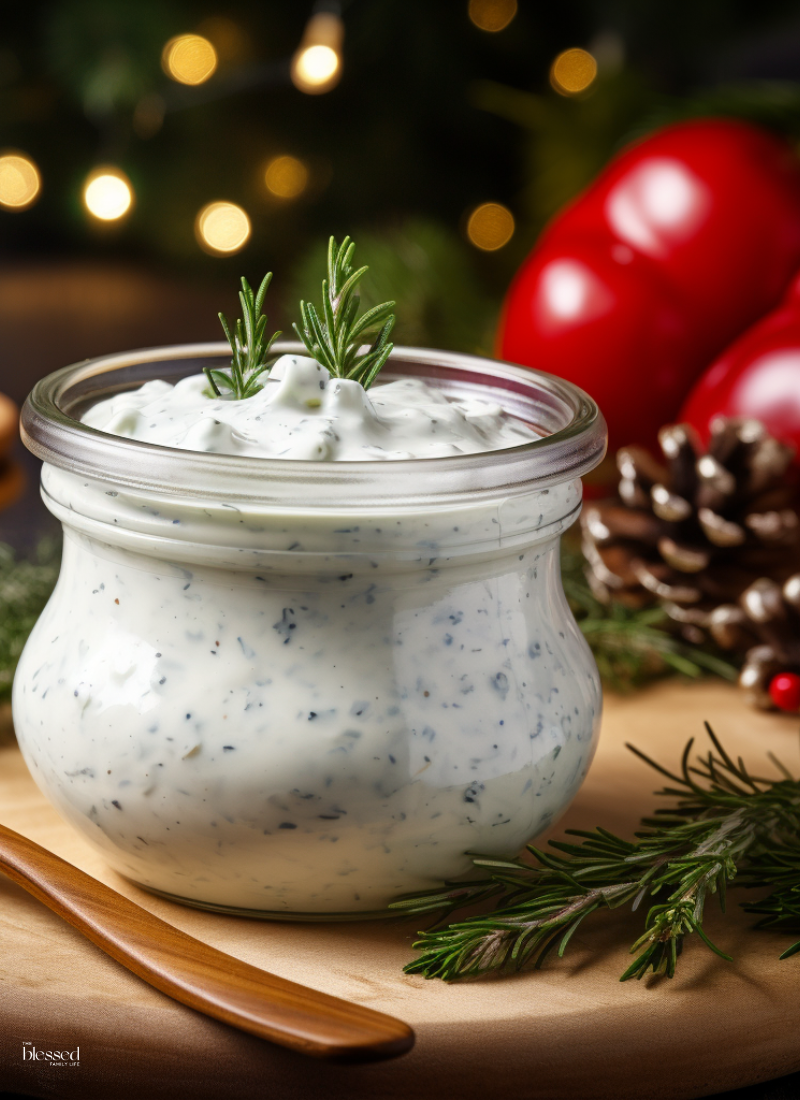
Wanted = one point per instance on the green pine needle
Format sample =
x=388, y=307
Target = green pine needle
x=334, y=339
x=779, y=867
x=25, y=586
x=726, y=825
x=251, y=353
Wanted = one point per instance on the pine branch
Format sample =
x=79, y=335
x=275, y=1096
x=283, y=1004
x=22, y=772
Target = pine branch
x=335, y=338
x=251, y=354
x=25, y=586
x=725, y=822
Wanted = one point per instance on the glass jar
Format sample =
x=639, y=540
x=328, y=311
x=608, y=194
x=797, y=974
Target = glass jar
x=301, y=689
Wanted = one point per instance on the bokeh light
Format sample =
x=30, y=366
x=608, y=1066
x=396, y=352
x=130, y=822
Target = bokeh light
x=314, y=69
x=317, y=64
x=490, y=226
x=492, y=15
x=107, y=194
x=189, y=59
x=20, y=182
x=573, y=71
x=286, y=177
x=222, y=228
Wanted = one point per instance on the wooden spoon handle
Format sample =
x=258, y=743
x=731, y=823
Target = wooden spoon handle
x=198, y=975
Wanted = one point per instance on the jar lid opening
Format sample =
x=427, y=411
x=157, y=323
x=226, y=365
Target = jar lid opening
x=571, y=429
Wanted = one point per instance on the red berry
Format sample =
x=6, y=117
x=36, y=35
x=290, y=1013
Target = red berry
x=784, y=690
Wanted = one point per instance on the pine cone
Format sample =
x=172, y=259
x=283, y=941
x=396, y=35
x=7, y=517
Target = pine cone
x=696, y=532
x=766, y=624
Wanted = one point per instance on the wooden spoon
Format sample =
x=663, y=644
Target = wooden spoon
x=190, y=971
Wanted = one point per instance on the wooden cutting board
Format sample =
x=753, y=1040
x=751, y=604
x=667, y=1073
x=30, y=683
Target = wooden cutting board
x=569, y=1031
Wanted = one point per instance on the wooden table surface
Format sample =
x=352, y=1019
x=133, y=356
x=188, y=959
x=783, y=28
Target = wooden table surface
x=570, y=1030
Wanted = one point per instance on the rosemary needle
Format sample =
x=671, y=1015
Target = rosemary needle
x=334, y=339
x=251, y=353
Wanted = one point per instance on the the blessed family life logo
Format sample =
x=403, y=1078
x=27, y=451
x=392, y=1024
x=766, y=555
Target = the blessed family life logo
x=32, y=1053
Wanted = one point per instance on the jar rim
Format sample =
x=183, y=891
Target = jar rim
x=573, y=439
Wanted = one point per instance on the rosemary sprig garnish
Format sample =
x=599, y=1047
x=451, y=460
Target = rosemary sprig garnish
x=727, y=824
x=335, y=338
x=251, y=356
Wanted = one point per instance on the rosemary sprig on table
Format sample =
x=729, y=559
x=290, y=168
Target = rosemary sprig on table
x=780, y=867
x=251, y=354
x=335, y=338
x=727, y=824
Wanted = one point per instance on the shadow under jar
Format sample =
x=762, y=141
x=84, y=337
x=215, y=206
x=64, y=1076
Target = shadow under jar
x=300, y=689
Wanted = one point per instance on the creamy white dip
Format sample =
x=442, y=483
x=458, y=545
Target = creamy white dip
x=292, y=710
x=303, y=413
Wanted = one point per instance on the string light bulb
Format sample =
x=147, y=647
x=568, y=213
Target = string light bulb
x=492, y=15
x=222, y=228
x=189, y=59
x=573, y=72
x=20, y=182
x=317, y=63
x=286, y=177
x=490, y=226
x=108, y=194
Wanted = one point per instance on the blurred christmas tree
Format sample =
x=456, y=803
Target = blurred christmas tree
x=229, y=140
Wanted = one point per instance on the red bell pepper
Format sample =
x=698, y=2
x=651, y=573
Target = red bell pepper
x=757, y=376
x=603, y=317
x=705, y=218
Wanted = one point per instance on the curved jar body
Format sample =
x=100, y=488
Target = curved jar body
x=311, y=705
